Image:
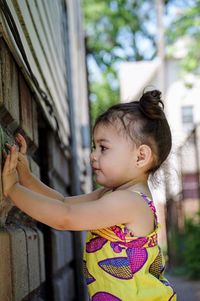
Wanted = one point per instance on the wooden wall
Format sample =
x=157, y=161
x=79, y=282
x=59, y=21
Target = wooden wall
x=40, y=263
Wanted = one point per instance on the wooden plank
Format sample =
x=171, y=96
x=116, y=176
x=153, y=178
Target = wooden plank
x=26, y=109
x=45, y=79
x=26, y=45
x=53, y=86
x=1, y=78
x=57, y=99
x=29, y=32
x=58, y=165
x=55, y=72
x=35, y=122
x=34, y=31
x=9, y=93
x=56, y=12
x=39, y=61
x=51, y=39
x=50, y=27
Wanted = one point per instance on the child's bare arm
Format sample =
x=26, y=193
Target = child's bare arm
x=36, y=185
x=105, y=212
x=26, y=177
x=30, y=181
x=83, y=198
x=113, y=208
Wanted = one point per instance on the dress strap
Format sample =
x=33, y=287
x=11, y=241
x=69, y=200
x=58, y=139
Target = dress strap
x=150, y=203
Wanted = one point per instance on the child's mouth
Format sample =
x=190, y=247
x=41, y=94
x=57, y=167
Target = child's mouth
x=96, y=170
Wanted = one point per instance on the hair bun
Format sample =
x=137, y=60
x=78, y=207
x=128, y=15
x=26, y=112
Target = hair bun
x=151, y=104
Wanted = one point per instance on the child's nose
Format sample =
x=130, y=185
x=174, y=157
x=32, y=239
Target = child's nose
x=93, y=156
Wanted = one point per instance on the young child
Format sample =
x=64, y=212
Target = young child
x=122, y=259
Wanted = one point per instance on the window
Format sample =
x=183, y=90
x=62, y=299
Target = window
x=187, y=117
x=187, y=114
x=190, y=186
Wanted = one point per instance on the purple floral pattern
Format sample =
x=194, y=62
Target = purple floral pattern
x=137, y=258
x=117, y=267
x=95, y=244
x=125, y=267
x=156, y=268
x=118, y=231
x=104, y=296
x=117, y=252
x=89, y=278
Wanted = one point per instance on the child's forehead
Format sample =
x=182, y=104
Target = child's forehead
x=103, y=131
x=110, y=131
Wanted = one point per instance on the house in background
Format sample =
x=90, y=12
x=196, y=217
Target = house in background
x=43, y=94
x=181, y=106
x=134, y=78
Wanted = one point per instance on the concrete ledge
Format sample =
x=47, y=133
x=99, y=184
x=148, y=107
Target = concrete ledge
x=19, y=263
x=33, y=258
x=5, y=267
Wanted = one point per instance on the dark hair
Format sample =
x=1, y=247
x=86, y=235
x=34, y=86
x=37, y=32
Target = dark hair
x=145, y=123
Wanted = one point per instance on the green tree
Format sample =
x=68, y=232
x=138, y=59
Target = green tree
x=192, y=245
x=187, y=26
x=116, y=31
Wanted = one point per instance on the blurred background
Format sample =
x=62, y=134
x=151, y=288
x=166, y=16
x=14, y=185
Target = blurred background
x=133, y=45
x=64, y=62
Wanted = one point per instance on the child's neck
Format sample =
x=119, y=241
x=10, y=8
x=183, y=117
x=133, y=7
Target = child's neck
x=133, y=184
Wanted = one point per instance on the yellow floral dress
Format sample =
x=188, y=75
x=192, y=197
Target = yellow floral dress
x=121, y=267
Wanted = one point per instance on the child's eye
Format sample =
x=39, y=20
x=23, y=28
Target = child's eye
x=103, y=148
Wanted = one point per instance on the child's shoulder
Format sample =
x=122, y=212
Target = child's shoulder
x=125, y=195
x=129, y=199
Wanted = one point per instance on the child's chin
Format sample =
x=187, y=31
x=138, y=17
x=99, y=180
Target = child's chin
x=103, y=183
x=100, y=181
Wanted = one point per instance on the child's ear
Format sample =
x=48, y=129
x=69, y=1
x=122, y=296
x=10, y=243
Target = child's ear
x=144, y=155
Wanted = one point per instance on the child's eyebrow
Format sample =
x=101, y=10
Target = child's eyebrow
x=101, y=140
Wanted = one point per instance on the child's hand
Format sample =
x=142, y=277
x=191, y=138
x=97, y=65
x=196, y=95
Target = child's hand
x=10, y=176
x=23, y=165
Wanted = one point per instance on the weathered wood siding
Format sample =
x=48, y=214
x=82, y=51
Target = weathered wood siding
x=40, y=24
x=40, y=263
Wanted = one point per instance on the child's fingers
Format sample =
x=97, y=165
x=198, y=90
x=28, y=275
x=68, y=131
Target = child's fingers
x=8, y=146
x=6, y=165
x=20, y=157
x=4, y=154
x=22, y=143
x=13, y=157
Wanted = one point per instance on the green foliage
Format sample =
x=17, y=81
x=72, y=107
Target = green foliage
x=116, y=31
x=185, y=248
x=102, y=96
x=187, y=26
x=177, y=246
x=192, y=247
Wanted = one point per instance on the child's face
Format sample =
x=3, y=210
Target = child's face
x=114, y=156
